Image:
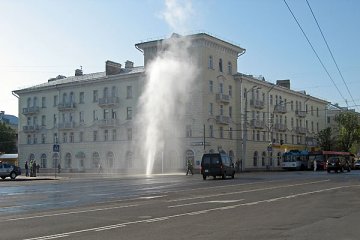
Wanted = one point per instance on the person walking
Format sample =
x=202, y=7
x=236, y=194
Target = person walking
x=315, y=165
x=26, y=169
x=189, y=167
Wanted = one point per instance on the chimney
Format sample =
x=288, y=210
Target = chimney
x=112, y=68
x=129, y=64
x=78, y=72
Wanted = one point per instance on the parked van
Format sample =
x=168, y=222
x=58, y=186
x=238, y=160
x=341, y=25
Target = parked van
x=217, y=164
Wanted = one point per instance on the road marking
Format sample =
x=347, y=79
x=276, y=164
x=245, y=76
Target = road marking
x=205, y=202
x=68, y=213
x=247, y=191
x=158, y=219
x=152, y=197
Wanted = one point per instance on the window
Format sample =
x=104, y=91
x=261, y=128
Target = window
x=95, y=136
x=81, y=117
x=221, y=88
x=211, y=131
x=128, y=113
x=317, y=112
x=81, y=136
x=129, y=92
x=129, y=134
x=35, y=103
x=82, y=97
x=188, y=131
x=210, y=63
x=221, y=110
x=230, y=133
x=221, y=132
x=271, y=100
x=43, y=102
x=114, y=135
x=43, y=120
x=113, y=91
x=29, y=139
x=230, y=111
x=55, y=120
x=245, y=92
x=35, y=139
x=106, y=93
x=64, y=138
x=28, y=102
x=64, y=98
x=56, y=140
x=72, y=137
x=95, y=115
x=210, y=109
x=255, y=159
x=220, y=65
x=106, y=135
x=55, y=100
x=43, y=138
x=230, y=90
x=211, y=86
x=95, y=96
x=229, y=68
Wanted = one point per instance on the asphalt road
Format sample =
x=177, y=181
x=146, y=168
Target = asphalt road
x=263, y=205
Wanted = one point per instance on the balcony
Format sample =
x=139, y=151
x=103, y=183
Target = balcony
x=31, y=128
x=280, y=109
x=223, y=98
x=66, y=125
x=256, y=103
x=222, y=119
x=108, y=102
x=280, y=127
x=31, y=110
x=300, y=113
x=66, y=106
x=300, y=130
x=255, y=123
x=108, y=123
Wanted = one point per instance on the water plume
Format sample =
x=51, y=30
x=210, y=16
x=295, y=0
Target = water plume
x=169, y=77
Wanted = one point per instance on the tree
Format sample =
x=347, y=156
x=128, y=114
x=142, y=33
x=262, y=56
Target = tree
x=349, y=129
x=7, y=139
x=326, y=140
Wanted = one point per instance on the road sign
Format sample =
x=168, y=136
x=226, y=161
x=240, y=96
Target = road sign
x=56, y=148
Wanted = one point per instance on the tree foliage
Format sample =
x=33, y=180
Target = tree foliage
x=326, y=140
x=348, y=129
x=7, y=139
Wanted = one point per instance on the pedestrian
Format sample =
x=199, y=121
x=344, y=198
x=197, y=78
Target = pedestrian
x=100, y=168
x=26, y=168
x=189, y=167
x=315, y=165
x=59, y=168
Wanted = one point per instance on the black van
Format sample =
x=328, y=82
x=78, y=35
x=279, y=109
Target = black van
x=217, y=164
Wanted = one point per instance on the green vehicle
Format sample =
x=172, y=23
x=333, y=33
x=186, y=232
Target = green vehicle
x=217, y=164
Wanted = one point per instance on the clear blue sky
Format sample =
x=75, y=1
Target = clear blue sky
x=40, y=39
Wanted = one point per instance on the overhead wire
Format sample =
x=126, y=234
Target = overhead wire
x=332, y=56
x=312, y=47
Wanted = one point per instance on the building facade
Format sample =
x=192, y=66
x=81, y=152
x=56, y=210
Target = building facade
x=92, y=116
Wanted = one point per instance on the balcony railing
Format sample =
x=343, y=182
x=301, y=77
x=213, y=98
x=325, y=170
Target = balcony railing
x=300, y=113
x=256, y=103
x=66, y=106
x=30, y=110
x=108, y=101
x=280, y=127
x=67, y=125
x=31, y=128
x=280, y=109
x=105, y=123
x=222, y=119
x=220, y=97
x=301, y=130
x=255, y=123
